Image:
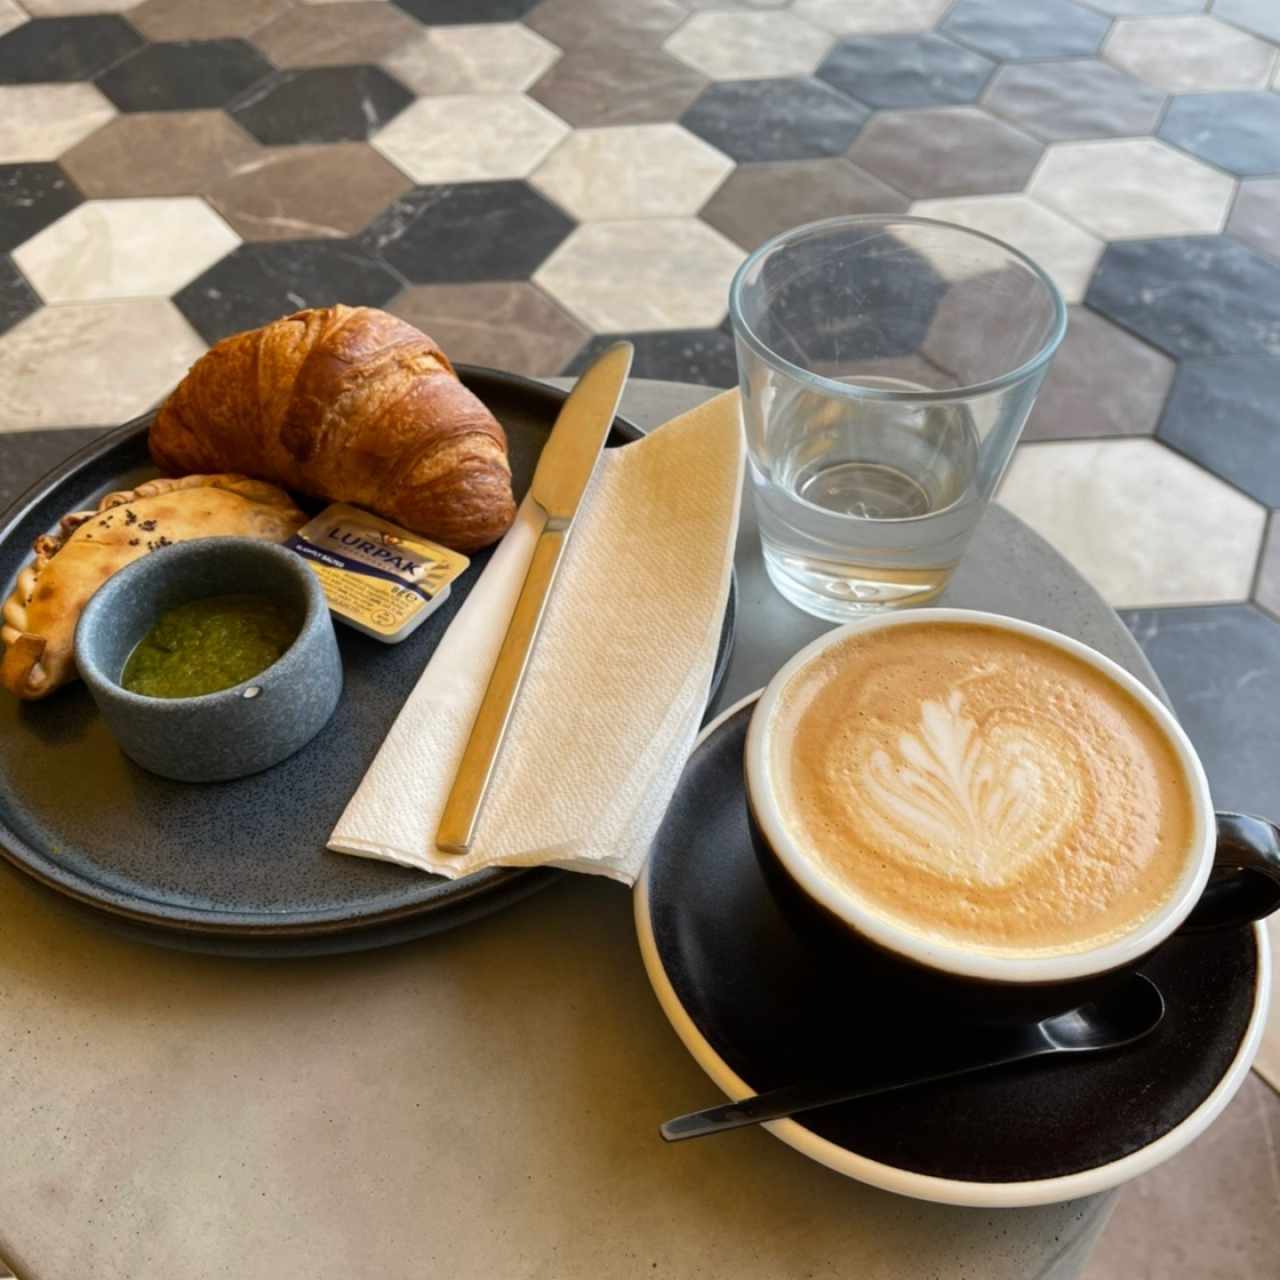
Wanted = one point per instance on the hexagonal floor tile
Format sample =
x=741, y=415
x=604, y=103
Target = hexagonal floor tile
x=702, y=356
x=259, y=282
x=1066, y=252
x=470, y=137
x=1102, y=382
x=872, y=17
x=67, y=8
x=40, y=121
x=474, y=231
x=160, y=153
x=1221, y=414
x=1259, y=16
x=775, y=119
x=184, y=75
x=1192, y=296
x=1221, y=666
x=1189, y=54
x=442, y=12
x=1267, y=590
x=605, y=84
x=321, y=104
x=664, y=273
x=736, y=46
x=11, y=17
x=1132, y=187
x=31, y=197
x=338, y=34
x=287, y=193
x=17, y=298
x=575, y=24
x=632, y=171
x=1147, y=8
x=1239, y=132
x=488, y=58
x=60, y=49
x=1255, y=216
x=906, y=71
x=506, y=325
x=200, y=20
x=1028, y=29
x=1078, y=98
x=946, y=151
x=124, y=249
x=760, y=200
x=1186, y=536
x=92, y=363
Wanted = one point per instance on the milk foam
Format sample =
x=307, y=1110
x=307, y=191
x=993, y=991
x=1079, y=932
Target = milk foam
x=982, y=786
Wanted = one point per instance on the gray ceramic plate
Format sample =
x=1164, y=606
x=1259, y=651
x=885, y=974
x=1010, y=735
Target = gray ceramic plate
x=240, y=867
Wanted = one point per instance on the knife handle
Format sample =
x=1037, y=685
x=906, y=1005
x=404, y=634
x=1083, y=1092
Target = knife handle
x=462, y=809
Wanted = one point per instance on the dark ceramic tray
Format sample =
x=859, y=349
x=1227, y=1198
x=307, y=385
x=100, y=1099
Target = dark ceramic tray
x=754, y=1006
x=240, y=867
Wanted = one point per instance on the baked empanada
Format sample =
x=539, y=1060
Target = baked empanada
x=40, y=615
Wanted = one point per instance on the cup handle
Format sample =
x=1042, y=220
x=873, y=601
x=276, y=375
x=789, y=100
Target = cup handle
x=1244, y=884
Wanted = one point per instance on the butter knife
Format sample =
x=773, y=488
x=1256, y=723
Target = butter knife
x=563, y=473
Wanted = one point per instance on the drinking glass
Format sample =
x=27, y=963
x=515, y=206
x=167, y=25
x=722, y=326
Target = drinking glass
x=887, y=365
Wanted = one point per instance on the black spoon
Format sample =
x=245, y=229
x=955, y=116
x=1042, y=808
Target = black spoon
x=1131, y=1009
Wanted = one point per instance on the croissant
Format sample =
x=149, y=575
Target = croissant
x=349, y=404
x=38, y=620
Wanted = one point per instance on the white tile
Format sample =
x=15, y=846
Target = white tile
x=1133, y=188
x=1143, y=524
x=1190, y=54
x=632, y=171
x=11, y=17
x=866, y=17
x=1068, y=253
x=664, y=273
x=124, y=249
x=495, y=57
x=41, y=121
x=92, y=364
x=470, y=137
x=738, y=46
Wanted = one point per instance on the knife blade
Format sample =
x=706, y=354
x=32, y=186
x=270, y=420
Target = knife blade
x=564, y=470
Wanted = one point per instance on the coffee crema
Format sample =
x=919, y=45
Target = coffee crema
x=982, y=787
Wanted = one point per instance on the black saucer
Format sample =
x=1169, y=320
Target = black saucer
x=754, y=1006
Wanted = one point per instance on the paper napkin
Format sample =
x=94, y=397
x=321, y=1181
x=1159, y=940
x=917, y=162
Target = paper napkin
x=616, y=686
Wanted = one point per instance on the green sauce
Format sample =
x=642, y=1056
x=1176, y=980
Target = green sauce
x=207, y=645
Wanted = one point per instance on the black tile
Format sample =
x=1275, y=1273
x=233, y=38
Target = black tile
x=259, y=282
x=1239, y=132
x=1194, y=296
x=702, y=356
x=31, y=197
x=49, y=49
x=906, y=71
x=440, y=13
x=1222, y=413
x=468, y=231
x=184, y=75
x=1221, y=666
x=17, y=298
x=1027, y=28
x=785, y=119
x=25, y=456
x=321, y=104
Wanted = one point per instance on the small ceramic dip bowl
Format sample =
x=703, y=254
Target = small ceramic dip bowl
x=235, y=731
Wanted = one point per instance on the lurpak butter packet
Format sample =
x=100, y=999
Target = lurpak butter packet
x=379, y=578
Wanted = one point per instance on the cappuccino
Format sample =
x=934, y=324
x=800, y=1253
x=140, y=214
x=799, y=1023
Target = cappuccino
x=983, y=787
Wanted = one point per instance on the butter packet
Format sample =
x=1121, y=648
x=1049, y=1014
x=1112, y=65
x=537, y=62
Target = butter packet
x=378, y=578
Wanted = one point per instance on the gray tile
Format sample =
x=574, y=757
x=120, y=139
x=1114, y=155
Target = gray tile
x=31, y=197
x=1221, y=666
x=1145, y=8
x=1262, y=17
x=574, y=23
x=17, y=298
x=948, y=151
x=1239, y=132
x=1028, y=29
x=1255, y=216
x=760, y=200
x=1222, y=414
x=906, y=71
x=1102, y=382
x=1190, y=53
x=335, y=34
x=605, y=85
x=1267, y=591
x=1076, y=98
x=704, y=356
x=201, y=20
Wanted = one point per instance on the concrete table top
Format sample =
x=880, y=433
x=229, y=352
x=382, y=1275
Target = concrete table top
x=479, y=1104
